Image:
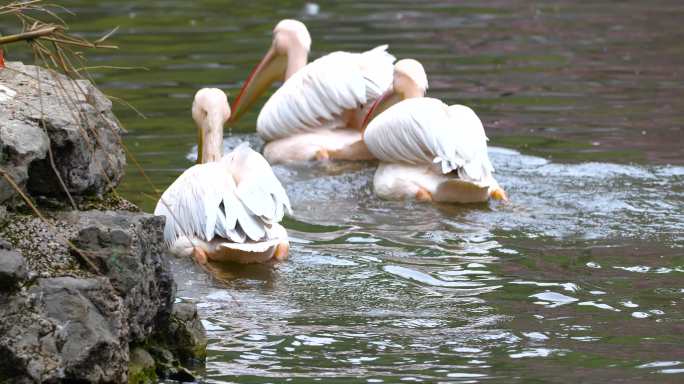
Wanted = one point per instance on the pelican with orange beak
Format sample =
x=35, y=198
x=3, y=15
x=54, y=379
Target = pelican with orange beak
x=224, y=208
x=317, y=112
x=428, y=151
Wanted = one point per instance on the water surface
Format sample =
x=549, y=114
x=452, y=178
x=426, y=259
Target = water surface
x=579, y=278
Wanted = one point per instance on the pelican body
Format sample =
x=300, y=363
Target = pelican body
x=225, y=208
x=428, y=151
x=317, y=112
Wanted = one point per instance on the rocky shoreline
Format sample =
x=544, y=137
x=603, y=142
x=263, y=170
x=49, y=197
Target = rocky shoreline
x=87, y=294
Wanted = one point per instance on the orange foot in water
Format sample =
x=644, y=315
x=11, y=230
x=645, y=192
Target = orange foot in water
x=281, y=252
x=423, y=195
x=200, y=255
x=322, y=154
x=499, y=194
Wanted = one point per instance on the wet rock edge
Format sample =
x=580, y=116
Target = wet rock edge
x=59, y=320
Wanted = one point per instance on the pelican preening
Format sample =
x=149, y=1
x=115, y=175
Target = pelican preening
x=225, y=208
x=228, y=208
x=427, y=150
x=317, y=112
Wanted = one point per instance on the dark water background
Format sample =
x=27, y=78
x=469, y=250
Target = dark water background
x=579, y=278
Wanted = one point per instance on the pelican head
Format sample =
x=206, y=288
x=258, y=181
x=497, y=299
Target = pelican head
x=409, y=81
x=210, y=110
x=289, y=34
x=288, y=53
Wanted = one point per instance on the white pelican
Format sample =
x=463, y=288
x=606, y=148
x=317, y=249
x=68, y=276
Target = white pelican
x=224, y=208
x=428, y=151
x=317, y=112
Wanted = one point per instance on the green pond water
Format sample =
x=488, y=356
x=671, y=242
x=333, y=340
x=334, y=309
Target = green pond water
x=580, y=278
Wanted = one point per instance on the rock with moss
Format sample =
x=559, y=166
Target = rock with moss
x=168, y=366
x=129, y=249
x=62, y=322
x=85, y=296
x=46, y=111
x=141, y=367
x=177, y=345
x=185, y=334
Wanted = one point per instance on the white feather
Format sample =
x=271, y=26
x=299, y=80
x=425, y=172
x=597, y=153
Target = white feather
x=259, y=189
x=424, y=131
x=205, y=201
x=317, y=95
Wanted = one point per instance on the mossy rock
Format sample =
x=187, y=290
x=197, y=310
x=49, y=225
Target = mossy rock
x=141, y=367
x=186, y=335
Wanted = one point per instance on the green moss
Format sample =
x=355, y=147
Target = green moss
x=167, y=357
x=199, y=352
x=141, y=367
x=139, y=375
x=189, y=346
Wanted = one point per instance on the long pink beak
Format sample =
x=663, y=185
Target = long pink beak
x=270, y=69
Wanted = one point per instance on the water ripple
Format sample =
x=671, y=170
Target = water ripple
x=379, y=291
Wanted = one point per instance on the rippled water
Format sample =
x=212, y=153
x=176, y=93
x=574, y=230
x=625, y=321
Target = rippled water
x=581, y=274
x=579, y=278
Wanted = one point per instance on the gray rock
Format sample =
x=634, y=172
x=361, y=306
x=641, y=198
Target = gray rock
x=185, y=334
x=64, y=329
x=42, y=245
x=129, y=249
x=180, y=342
x=168, y=367
x=162, y=356
x=72, y=118
x=141, y=357
x=4, y=244
x=20, y=144
x=141, y=367
x=51, y=324
x=12, y=268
